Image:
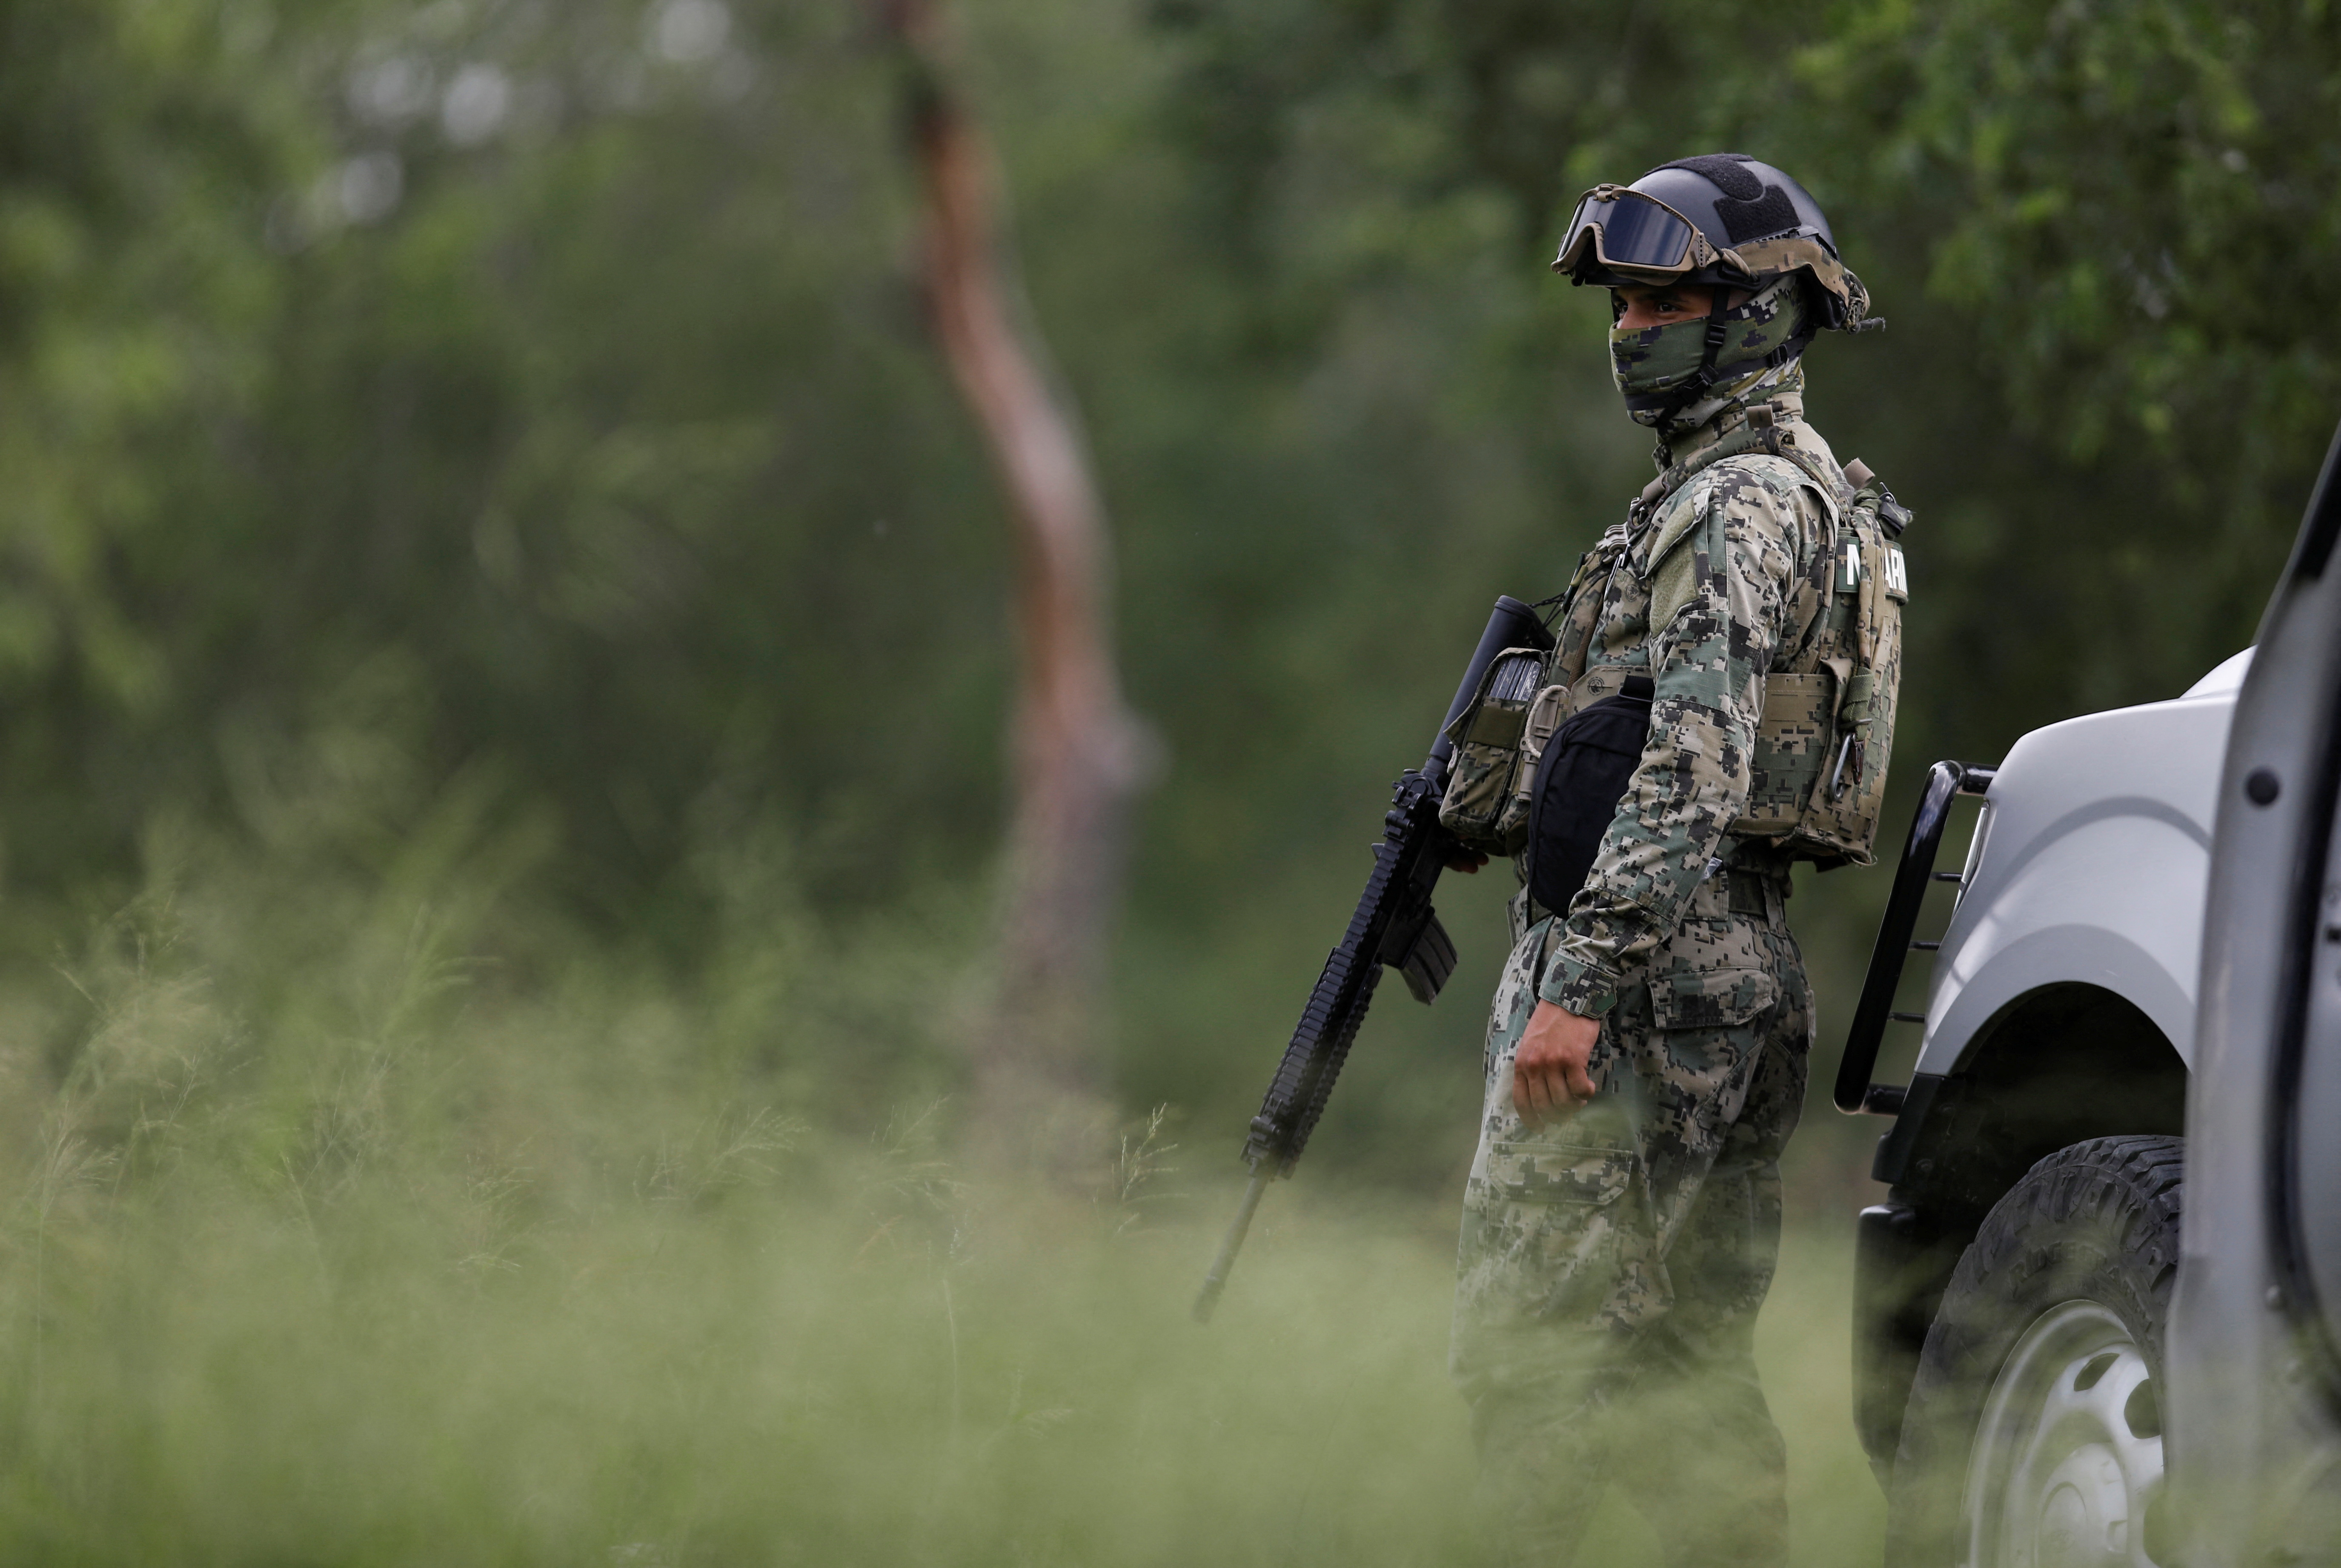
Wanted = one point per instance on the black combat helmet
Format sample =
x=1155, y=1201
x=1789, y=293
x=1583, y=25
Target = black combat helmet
x=1722, y=219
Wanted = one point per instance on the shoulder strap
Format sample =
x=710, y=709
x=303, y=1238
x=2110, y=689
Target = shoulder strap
x=1769, y=440
x=1827, y=479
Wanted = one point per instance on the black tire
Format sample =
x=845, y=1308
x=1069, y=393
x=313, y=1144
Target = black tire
x=2081, y=1254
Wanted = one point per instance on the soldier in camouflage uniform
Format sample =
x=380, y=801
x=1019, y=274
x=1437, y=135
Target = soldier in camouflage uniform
x=1646, y=1055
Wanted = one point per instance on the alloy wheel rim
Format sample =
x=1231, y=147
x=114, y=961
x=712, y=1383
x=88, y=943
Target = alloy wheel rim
x=2068, y=1455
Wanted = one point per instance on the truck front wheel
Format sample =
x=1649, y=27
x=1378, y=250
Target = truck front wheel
x=2034, y=1432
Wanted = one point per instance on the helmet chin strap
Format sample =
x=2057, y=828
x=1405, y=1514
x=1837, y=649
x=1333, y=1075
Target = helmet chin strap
x=1694, y=386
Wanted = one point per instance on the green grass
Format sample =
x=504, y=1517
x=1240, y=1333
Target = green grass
x=848, y=1360
x=864, y=1365
x=324, y=1240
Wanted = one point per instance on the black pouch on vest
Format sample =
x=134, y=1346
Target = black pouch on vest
x=1579, y=780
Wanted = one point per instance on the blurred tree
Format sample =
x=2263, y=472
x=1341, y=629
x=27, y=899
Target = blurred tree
x=1078, y=751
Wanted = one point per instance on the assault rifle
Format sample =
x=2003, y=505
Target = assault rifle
x=1394, y=927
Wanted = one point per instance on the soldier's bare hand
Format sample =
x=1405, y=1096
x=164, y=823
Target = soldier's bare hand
x=1466, y=861
x=1549, y=1080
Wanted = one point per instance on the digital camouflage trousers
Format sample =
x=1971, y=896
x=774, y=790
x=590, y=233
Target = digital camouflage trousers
x=1612, y=1264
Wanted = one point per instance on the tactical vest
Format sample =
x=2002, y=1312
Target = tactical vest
x=1818, y=776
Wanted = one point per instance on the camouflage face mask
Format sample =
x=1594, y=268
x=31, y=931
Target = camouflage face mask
x=1655, y=366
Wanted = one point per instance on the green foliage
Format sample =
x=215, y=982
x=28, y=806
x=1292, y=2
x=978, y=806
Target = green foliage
x=2134, y=194
x=541, y=391
x=520, y=418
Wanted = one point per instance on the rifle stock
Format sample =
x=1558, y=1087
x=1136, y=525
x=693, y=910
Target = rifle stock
x=1394, y=925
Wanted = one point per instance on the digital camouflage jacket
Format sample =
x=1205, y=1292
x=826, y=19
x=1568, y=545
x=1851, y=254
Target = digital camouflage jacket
x=1706, y=588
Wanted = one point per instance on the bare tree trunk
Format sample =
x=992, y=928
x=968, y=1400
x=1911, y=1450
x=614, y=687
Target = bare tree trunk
x=1077, y=753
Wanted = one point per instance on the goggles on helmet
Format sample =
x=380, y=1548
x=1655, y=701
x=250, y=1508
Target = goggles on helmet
x=1638, y=238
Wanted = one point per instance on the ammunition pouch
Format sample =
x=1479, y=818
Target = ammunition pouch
x=1487, y=782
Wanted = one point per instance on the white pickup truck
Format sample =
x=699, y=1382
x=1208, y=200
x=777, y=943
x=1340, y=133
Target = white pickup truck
x=2129, y=993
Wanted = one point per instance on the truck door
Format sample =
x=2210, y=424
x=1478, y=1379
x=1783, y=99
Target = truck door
x=2305, y=1134
x=2253, y=1359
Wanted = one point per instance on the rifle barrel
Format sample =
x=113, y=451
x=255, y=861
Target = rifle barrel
x=1217, y=1280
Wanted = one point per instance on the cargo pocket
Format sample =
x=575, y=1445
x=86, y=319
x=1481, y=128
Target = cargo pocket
x=1545, y=1171
x=1541, y=1238
x=1711, y=998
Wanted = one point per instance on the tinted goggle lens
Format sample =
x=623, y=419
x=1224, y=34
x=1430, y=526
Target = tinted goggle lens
x=1629, y=229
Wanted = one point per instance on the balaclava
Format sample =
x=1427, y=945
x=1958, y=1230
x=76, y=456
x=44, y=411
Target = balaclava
x=1656, y=367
